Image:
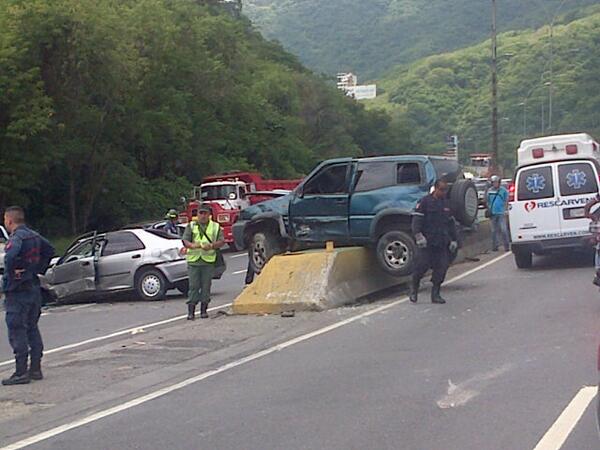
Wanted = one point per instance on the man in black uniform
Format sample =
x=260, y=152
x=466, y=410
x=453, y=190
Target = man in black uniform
x=435, y=233
x=27, y=255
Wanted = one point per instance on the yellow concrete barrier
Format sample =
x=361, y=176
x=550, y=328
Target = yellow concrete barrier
x=313, y=281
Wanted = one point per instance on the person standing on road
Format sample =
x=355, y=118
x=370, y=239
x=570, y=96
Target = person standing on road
x=27, y=254
x=202, y=238
x=497, y=204
x=435, y=233
x=171, y=225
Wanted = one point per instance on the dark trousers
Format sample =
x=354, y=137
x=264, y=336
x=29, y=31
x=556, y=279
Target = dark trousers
x=200, y=280
x=435, y=258
x=23, y=309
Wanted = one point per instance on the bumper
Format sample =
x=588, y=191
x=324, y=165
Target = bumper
x=549, y=245
x=238, y=234
x=174, y=271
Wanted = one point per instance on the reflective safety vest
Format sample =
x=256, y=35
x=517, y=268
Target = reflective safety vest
x=196, y=254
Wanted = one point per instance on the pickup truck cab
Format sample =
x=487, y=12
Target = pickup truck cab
x=556, y=177
x=355, y=201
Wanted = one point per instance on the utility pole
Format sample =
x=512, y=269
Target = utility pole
x=550, y=86
x=494, y=90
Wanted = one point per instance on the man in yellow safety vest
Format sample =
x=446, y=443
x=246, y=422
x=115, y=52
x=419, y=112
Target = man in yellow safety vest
x=202, y=238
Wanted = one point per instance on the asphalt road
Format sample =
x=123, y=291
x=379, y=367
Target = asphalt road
x=70, y=324
x=492, y=369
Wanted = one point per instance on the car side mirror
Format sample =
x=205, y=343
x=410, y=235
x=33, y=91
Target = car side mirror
x=54, y=261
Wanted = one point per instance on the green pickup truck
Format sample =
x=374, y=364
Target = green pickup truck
x=355, y=201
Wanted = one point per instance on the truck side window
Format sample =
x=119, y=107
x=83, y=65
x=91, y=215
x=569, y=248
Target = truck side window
x=374, y=175
x=330, y=180
x=408, y=173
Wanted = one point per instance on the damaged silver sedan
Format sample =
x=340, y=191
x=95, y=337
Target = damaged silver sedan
x=147, y=262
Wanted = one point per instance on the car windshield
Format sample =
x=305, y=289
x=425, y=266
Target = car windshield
x=220, y=192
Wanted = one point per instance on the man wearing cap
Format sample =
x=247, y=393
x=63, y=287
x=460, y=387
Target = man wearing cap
x=497, y=202
x=171, y=225
x=202, y=238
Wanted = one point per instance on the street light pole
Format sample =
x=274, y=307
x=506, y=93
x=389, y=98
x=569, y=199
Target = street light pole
x=494, y=89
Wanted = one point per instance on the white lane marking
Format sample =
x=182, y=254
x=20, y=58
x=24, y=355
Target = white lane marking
x=175, y=387
x=239, y=255
x=74, y=308
x=240, y=272
x=558, y=433
x=132, y=331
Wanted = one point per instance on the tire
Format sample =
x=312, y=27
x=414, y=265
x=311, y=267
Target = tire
x=183, y=286
x=150, y=284
x=396, y=253
x=463, y=202
x=263, y=246
x=523, y=259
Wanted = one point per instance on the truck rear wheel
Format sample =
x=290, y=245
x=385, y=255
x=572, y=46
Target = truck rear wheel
x=396, y=253
x=523, y=258
x=263, y=246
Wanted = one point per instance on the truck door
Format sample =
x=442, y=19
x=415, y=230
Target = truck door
x=578, y=185
x=319, y=211
x=534, y=214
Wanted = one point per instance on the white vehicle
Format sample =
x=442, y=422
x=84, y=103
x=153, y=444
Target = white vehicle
x=555, y=178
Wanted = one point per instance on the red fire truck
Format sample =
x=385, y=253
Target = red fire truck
x=229, y=193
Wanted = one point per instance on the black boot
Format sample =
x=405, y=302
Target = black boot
x=203, y=310
x=35, y=370
x=435, y=295
x=413, y=296
x=191, y=312
x=16, y=379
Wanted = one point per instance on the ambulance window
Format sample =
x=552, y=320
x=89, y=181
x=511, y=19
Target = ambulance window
x=577, y=179
x=535, y=184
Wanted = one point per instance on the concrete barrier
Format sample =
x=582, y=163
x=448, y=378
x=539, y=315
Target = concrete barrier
x=316, y=280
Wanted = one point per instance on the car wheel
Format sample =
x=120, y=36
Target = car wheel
x=151, y=285
x=463, y=202
x=183, y=286
x=263, y=246
x=396, y=253
x=523, y=259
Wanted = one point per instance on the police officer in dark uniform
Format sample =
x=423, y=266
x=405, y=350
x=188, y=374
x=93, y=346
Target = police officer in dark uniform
x=27, y=254
x=435, y=232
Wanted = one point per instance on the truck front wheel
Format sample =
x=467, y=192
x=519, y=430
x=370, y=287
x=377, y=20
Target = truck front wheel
x=396, y=253
x=263, y=246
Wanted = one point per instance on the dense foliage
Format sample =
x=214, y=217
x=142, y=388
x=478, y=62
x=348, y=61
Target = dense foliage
x=451, y=93
x=110, y=110
x=372, y=36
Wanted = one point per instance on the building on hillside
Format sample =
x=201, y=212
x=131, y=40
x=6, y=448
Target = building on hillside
x=348, y=82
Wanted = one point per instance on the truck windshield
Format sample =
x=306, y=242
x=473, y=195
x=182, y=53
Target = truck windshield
x=217, y=192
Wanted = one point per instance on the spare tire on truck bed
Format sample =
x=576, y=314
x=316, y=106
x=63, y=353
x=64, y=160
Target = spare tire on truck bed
x=463, y=202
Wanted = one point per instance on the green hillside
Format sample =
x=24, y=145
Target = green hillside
x=109, y=111
x=451, y=93
x=369, y=37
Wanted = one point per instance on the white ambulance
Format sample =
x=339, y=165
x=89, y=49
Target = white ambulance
x=555, y=178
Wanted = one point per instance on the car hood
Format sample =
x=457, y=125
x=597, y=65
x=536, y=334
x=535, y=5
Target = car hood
x=279, y=206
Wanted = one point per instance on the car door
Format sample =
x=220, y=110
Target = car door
x=578, y=185
x=122, y=254
x=535, y=215
x=319, y=210
x=74, y=275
